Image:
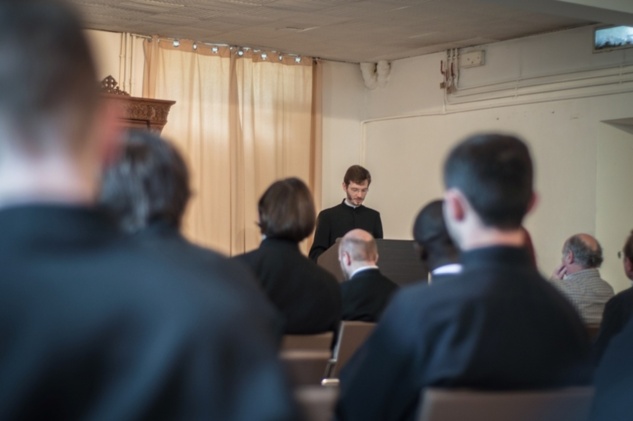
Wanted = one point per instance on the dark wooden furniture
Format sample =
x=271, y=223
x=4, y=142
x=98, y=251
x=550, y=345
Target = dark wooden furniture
x=397, y=260
x=143, y=113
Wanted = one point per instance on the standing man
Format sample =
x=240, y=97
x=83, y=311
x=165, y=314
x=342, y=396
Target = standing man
x=497, y=325
x=579, y=279
x=365, y=290
x=335, y=222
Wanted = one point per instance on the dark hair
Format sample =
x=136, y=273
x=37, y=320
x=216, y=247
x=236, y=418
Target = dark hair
x=628, y=247
x=357, y=174
x=430, y=233
x=286, y=210
x=150, y=182
x=47, y=74
x=585, y=254
x=495, y=173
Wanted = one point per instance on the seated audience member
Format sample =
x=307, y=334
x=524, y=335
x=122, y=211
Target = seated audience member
x=307, y=295
x=618, y=309
x=579, y=279
x=614, y=379
x=365, y=290
x=498, y=325
x=147, y=190
x=436, y=247
x=94, y=327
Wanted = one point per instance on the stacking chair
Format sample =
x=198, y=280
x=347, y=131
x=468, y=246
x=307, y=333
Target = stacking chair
x=313, y=342
x=566, y=404
x=351, y=336
x=306, y=357
x=316, y=403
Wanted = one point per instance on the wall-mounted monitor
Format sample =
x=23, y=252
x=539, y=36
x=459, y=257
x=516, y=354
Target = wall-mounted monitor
x=608, y=38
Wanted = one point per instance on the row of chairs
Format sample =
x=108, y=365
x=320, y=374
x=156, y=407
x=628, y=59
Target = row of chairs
x=568, y=404
x=310, y=359
x=314, y=371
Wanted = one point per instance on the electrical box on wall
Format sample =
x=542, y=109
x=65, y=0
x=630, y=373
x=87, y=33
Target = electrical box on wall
x=472, y=59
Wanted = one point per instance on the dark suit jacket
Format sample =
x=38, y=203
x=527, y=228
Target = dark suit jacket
x=94, y=327
x=165, y=240
x=335, y=222
x=498, y=325
x=614, y=380
x=617, y=313
x=366, y=294
x=306, y=295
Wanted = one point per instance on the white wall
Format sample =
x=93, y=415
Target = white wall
x=343, y=109
x=614, y=203
x=550, y=89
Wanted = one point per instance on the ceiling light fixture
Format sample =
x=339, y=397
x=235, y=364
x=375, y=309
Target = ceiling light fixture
x=176, y=43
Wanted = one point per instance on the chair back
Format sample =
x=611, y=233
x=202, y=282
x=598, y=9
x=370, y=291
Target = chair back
x=316, y=403
x=351, y=336
x=305, y=367
x=566, y=404
x=312, y=342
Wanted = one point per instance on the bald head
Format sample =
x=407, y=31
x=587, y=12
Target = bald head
x=583, y=250
x=360, y=245
x=356, y=249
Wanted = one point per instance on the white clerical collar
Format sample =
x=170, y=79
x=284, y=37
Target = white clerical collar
x=351, y=205
x=362, y=269
x=447, y=269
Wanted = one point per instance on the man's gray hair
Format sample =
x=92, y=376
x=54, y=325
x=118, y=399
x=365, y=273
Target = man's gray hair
x=586, y=256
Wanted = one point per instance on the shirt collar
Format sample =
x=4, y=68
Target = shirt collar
x=451, y=268
x=361, y=269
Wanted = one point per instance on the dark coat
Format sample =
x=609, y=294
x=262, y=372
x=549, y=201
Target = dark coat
x=498, y=325
x=306, y=295
x=94, y=327
x=366, y=294
x=335, y=222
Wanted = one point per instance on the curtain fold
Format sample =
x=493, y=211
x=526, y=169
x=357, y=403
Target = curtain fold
x=241, y=122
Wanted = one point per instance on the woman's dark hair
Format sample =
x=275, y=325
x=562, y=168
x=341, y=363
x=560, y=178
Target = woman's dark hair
x=286, y=210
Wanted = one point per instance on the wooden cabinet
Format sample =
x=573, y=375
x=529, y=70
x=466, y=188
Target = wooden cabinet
x=144, y=113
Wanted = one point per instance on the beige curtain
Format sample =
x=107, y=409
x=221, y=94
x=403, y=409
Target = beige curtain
x=241, y=121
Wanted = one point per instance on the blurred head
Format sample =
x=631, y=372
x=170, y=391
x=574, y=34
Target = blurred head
x=356, y=184
x=286, y=210
x=48, y=79
x=432, y=238
x=356, y=249
x=488, y=179
x=581, y=251
x=149, y=183
x=627, y=252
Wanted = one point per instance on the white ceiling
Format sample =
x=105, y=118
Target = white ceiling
x=350, y=30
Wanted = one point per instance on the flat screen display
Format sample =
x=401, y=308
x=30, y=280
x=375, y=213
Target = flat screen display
x=612, y=38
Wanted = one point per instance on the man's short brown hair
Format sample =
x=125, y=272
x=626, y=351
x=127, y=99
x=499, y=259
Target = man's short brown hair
x=286, y=210
x=357, y=174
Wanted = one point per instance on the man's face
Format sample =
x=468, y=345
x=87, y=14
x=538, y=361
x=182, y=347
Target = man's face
x=356, y=192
